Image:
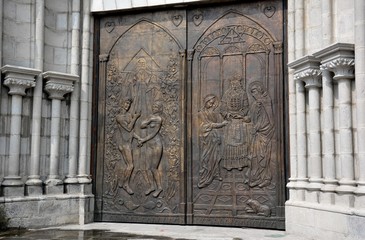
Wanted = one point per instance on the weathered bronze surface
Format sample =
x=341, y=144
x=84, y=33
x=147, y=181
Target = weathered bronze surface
x=190, y=121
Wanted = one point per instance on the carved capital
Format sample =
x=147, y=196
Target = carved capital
x=307, y=70
x=278, y=47
x=338, y=58
x=311, y=77
x=182, y=53
x=58, y=84
x=343, y=68
x=103, y=57
x=18, y=79
x=190, y=54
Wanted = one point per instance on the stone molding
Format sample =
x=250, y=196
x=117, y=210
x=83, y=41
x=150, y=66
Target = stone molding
x=338, y=58
x=59, y=84
x=18, y=79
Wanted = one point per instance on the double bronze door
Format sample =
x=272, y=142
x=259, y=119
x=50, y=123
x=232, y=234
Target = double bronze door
x=190, y=116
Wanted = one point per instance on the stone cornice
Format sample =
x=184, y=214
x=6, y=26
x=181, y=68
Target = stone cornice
x=58, y=84
x=18, y=79
x=338, y=58
x=334, y=51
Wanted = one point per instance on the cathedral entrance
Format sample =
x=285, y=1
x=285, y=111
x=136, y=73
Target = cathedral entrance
x=189, y=121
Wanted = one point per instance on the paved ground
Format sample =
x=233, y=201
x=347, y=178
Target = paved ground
x=147, y=232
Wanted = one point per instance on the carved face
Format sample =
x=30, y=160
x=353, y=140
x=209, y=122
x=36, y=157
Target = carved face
x=126, y=104
x=256, y=92
x=210, y=103
x=141, y=64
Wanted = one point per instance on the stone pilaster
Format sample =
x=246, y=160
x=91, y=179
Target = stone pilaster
x=339, y=59
x=307, y=75
x=57, y=85
x=17, y=79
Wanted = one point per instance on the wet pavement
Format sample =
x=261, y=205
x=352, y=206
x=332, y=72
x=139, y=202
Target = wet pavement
x=73, y=234
x=124, y=231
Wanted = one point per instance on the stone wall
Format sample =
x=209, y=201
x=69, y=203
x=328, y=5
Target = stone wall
x=46, y=55
x=326, y=98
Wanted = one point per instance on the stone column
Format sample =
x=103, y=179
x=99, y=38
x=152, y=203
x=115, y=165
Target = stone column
x=313, y=84
x=57, y=85
x=306, y=70
x=292, y=105
x=360, y=94
x=344, y=73
x=73, y=145
x=83, y=174
x=328, y=138
x=34, y=183
x=18, y=79
x=339, y=58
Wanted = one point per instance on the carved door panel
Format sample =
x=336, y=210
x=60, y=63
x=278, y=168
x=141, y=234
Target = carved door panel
x=141, y=125
x=190, y=116
x=235, y=60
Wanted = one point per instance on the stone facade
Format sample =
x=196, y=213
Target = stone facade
x=326, y=85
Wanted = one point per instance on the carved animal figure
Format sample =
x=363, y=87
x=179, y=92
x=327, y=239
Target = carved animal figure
x=258, y=208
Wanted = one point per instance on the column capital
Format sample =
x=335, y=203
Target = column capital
x=278, y=47
x=103, y=57
x=338, y=58
x=58, y=84
x=18, y=79
x=306, y=69
x=342, y=67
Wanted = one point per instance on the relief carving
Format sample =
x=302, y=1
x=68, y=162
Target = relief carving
x=142, y=133
x=269, y=11
x=211, y=141
x=198, y=18
x=176, y=20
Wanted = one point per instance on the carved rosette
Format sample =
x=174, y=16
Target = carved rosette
x=18, y=79
x=342, y=67
x=311, y=77
x=59, y=84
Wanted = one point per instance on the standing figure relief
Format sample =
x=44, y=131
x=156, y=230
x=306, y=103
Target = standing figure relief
x=262, y=133
x=126, y=122
x=234, y=109
x=153, y=147
x=211, y=141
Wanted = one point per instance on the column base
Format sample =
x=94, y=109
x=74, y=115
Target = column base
x=329, y=185
x=360, y=190
x=71, y=180
x=34, y=181
x=345, y=188
x=53, y=181
x=315, y=184
x=84, y=179
x=13, y=191
x=302, y=183
x=12, y=181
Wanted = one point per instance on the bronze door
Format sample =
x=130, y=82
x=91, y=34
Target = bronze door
x=190, y=116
